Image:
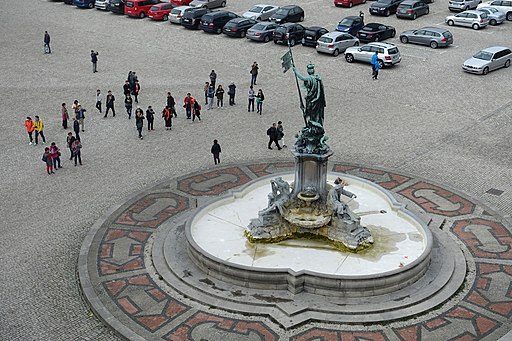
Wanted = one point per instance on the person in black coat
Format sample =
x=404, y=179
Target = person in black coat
x=94, y=60
x=109, y=103
x=273, y=135
x=171, y=103
x=47, y=48
x=216, y=151
x=150, y=116
x=231, y=93
x=126, y=88
x=76, y=128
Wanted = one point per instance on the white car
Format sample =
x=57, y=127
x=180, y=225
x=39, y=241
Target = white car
x=504, y=6
x=260, y=12
x=101, y=4
x=473, y=19
x=387, y=53
x=177, y=13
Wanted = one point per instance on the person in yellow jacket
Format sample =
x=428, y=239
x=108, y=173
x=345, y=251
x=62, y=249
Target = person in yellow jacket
x=38, y=128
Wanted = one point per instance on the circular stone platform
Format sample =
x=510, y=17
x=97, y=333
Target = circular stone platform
x=176, y=301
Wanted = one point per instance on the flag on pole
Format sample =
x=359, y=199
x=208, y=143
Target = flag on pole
x=286, y=61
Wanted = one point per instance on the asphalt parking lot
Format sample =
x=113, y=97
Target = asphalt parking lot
x=424, y=116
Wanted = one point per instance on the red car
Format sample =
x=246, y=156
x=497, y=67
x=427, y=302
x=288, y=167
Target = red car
x=160, y=11
x=138, y=8
x=181, y=2
x=348, y=3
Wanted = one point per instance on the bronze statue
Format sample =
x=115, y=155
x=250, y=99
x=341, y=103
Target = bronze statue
x=315, y=97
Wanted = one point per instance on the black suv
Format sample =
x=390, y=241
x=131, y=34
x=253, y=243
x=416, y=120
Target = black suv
x=289, y=32
x=192, y=18
x=290, y=13
x=215, y=21
x=384, y=7
x=312, y=34
x=116, y=6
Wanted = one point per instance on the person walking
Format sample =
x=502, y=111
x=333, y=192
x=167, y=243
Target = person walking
x=99, y=99
x=273, y=136
x=213, y=78
x=46, y=40
x=139, y=121
x=69, y=140
x=219, y=93
x=38, y=128
x=260, y=97
x=205, y=88
x=47, y=159
x=375, y=66
x=131, y=80
x=197, y=111
x=76, y=147
x=171, y=103
x=211, y=93
x=280, y=135
x=231, y=93
x=135, y=91
x=29, y=126
x=188, y=104
x=215, y=150
x=128, y=101
x=76, y=128
x=167, y=115
x=55, y=152
x=251, y=95
x=109, y=103
x=150, y=116
x=94, y=60
x=126, y=88
x=81, y=116
x=254, y=73
x=64, y=116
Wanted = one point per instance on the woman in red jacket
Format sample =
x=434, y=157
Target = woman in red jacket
x=29, y=125
x=167, y=115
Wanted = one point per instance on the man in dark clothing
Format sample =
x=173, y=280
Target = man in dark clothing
x=94, y=60
x=213, y=78
x=273, y=135
x=171, y=104
x=70, y=139
x=76, y=128
x=150, y=116
x=231, y=93
x=216, y=151
x=126, y=88
x=254, y=73
x=47, y=48
x=110, y=103
x=135, y=91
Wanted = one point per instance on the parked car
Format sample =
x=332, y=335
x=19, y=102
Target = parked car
x=160, y=11
x=335, y=42
x=430, y=36
x=208, y=3
x=84, y=3
x=238, y=27
x=387, y=54
x=289, y=32
x=290, y=13
x=260, y=12
x=101, y=4
x=192, y=18
x=495, y=16
x=215, y=21
x=474, y=19
x=312, y=34
x=138, y=8
x=504, y=7
x=116, y=6
x=263, y=31
x=375, y=32
x=411, y=9
x=350, y=25
x=177, y=13
x=488, y=59
x=348, y=3
x=462, y=5
x=384, y=7
x=181, y=2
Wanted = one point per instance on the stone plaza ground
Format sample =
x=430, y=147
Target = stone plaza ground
x=423, y=119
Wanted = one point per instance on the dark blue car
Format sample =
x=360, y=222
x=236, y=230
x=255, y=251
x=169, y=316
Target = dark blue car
x=84, y=3
x=350, y=25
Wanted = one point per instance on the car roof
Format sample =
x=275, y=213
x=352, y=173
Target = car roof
x=315, y=28
x=494, y=49
x=216, y=13
x=290, y=7
x=435, y=29
x=472, y=11
x=288, y=24
x=334, y=34
x=351, y=17
x=409, y=2
x=374, y=24
x=380, y=44
x=239, y=19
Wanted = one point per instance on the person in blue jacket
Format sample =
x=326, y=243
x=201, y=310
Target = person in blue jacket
x=375, y=66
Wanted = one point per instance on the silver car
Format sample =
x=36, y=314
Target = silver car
x=260, y=12
x=335, y=42
x=430, y=36
x=101, y=4
x=387, y=53
x=474, y=19
x=462, y=5
x=177, y=13
x=208, y=3
x=495, y=16
x=504, y=6
x=263, y=31
x=488, y=59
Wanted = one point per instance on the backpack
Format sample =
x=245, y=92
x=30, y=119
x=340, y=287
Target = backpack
x=269, y=131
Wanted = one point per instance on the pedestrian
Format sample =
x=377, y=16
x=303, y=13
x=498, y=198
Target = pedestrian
x=216, y=151
x=94, y=60
x=55, y=152
x=135, y=91
x=273, y=136
x=280, y=135
x=260, y=97
x=188, y=104
x=128, y=105
x=251, y=95
x=38, y=128
x=172, y=104
x=197, y=111
x=99, y=99
x=167, y=115
x=254, y=73
x=375, y=66
x=29, y=126
x=76, y=128
x=70, y=139
x=126, y=88
x=211, y=93
x=65, y=116
x=231, y=93
x=47, y=158
x=150, y=116
x=81, y=116
x=131, y=81
x=109, y=103
x=205, y=88
x=139, y=121
x=76, y=147
x=47, y=48
x=213, y=78
x=74, y=107
x=219, y=93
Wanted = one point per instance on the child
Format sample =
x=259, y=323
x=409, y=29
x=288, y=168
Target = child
x=196, y=112
x=216, y=151
x=55, y=153
x=29, y=125
x=47, y=158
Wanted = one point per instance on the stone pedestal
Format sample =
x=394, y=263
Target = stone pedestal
x=310, y=173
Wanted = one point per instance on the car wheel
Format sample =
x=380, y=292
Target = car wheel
x=393, y=34
x=414, y=16
x=258, y=18
x=493, y=22
x=475, y=26
x=356, y=43
x=91, y=5
x=242, y=34
x=301, y=18
x=486, y=70
x=266, y=39
x=275, y=42
x=509, y=16
x=142, y=15
x=507, y=63
x=381, y=64
x=376, y=38
x=427, y=11
x=387, y=13
x=292, y=42
x=218, y=31
x=404, y=39
x=223, y=4
x=336, y=53
x=450, y=22
x=349, y=58
x=166, y=17
x=433, y=44
x=350, y=4
x=364, y=1
x=465, y=8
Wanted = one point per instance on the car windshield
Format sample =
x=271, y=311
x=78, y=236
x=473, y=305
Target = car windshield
x=384, y=1
x=393, y=50
x=370, y=27
x=325, y=40
x=282, y=11
x=176, y=11
x=456, y=0
x=256, y=9
x=259, y=27
x=153, y=8
x=281, y=29
x=346, y=22
x=483, y=55
x=447, y=34
x=405, y=6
